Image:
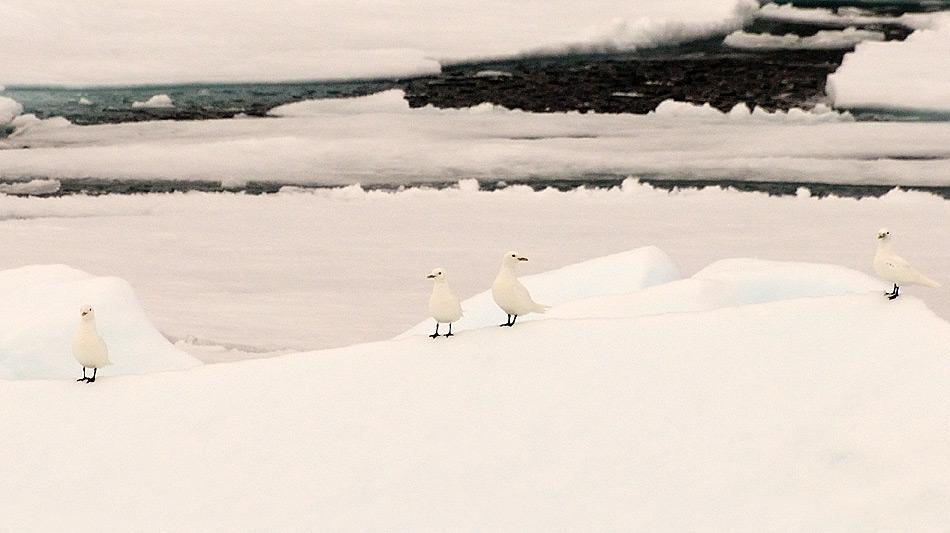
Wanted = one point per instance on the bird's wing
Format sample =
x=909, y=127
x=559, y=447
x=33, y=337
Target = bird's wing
x=899, y=264
x=525, y=296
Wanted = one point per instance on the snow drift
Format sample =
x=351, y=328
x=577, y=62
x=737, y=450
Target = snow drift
x=40, y=313
x=826, y=411
x=9, y=109
x=618, y=273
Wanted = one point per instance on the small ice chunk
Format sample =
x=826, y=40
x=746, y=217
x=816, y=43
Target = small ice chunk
x=32, y=187
x=156, y=102
x=494, y=74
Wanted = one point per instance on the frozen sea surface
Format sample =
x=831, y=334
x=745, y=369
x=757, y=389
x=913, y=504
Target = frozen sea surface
x=379, y=139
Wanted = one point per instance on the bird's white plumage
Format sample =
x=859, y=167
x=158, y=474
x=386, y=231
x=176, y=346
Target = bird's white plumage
x=444, y=305
x=88, y=347
x=510, y=295
x=895, y=268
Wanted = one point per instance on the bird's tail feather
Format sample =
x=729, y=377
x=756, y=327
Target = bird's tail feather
x=927, y=282
x=540, y=308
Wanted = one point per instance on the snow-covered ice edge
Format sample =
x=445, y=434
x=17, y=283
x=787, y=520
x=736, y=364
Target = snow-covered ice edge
x=380, y=139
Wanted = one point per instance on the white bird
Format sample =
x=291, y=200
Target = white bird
x=444, y=305
x=894, y=268
x=88, y=347
x=510, y=295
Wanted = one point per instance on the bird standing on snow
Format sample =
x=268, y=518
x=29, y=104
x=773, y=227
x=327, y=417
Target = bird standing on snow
x=443, y=304
x=894, y=268
x=88, y=347
x=510, y=294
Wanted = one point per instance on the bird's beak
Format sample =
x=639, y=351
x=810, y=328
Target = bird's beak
x=522, y=259
x=83, y=314
x=430, y=276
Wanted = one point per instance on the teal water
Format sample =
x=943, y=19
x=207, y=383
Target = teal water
x=96, y=105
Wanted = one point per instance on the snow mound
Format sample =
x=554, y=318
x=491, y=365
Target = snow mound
x=40, y=313
x=28, y=122
x=155, y=102
x=9, y=109
x=794, y=415
x=619, y=273
x=823, y=40
x=756, y=281
x=897, y=75
x=727, y=283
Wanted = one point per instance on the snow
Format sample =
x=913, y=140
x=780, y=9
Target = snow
x=626, y=94
x=9, y=109
x=824, y=411
x=741, y=112
x=30, y=187
x=84, y=101
x=30, y=122
x=156, y=101
x=180, y=41
x=379, y=138
x=492, y=74
x=725, y=283
x=842, y=18
x=40, y=313
x=294, y=258
x=825, y=39
x=899, y=75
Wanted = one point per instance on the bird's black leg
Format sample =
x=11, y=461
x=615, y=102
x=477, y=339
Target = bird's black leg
x=436, y=334
x=513, y=320
x=93, y=378
x=509, y=323
x=449, y=334
x=83, y=378
x=894, y=294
